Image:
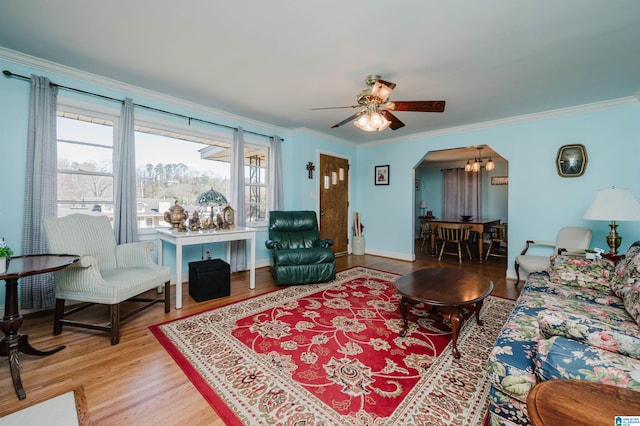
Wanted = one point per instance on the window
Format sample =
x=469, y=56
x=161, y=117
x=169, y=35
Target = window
x=85, y=165
x=173, y=162
x=255, y=176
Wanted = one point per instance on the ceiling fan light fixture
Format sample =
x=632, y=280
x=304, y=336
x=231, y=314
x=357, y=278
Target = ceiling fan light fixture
x=377, y=120
x=381, y=91
x=363, y=123
x=372, y=121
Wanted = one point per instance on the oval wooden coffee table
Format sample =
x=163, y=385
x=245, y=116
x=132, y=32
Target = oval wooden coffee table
x=446, y=289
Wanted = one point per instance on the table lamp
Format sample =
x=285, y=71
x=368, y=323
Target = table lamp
x=614, y=205
x=423, y=206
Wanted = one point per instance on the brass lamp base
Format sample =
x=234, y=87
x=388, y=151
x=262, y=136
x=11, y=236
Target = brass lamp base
x=613, y=239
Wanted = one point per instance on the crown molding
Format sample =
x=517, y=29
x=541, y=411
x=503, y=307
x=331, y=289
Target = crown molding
x=302, y=131
x=133, y=91
x=595, y=106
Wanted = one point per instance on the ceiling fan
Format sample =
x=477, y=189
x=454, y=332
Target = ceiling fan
x=376, y=108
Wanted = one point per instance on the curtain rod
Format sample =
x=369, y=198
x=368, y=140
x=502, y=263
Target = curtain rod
x=8, y=73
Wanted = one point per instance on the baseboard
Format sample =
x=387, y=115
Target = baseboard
x=391, y=254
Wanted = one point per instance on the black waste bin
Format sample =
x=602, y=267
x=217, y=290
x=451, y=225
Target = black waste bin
x=209, y=279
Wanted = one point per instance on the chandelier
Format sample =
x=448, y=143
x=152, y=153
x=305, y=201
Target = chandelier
x=476, y=164
x=372, y=120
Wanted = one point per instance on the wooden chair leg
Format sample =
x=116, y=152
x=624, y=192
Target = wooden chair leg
x=441, y=250
x=460, y=253
x=517, y=273
x=57, y=317
x=115, y=323
x=167, y=297
x=488, y=250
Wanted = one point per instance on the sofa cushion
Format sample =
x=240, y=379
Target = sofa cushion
x=631, y=297
x=562, y=358
x=580, y=272
x=589, y=331
x=627, y=269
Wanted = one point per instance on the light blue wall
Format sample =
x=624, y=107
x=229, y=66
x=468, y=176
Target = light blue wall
x=540, y=201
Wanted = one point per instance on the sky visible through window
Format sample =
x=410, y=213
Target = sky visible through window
x=150, y=149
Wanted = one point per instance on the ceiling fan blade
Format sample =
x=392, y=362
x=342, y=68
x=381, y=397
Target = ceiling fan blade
x=346, y=120
x=338, y=107
x=419, y=106
x=382, y=89
x=395, y=123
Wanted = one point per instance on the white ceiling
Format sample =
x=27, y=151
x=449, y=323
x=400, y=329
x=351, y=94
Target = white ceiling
x=274, y=60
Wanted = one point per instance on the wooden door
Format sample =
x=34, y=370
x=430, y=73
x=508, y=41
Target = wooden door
x=334, y=201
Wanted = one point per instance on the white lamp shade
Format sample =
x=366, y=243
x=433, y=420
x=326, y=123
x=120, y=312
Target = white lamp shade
x=423, y=204
x=613, y=204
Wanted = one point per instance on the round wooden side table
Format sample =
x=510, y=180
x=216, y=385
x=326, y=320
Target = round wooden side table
x=578, y=402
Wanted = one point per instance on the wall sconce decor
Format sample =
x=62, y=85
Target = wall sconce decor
x=310, y=169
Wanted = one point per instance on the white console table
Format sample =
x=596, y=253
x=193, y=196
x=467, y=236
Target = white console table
x=180, y=239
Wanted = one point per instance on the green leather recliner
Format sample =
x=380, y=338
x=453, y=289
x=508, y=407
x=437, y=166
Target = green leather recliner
x=298, y=254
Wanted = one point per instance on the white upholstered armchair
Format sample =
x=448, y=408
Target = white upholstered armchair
x=573, y=240
x=106, y=273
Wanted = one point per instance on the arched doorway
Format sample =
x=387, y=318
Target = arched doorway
x=430, y=192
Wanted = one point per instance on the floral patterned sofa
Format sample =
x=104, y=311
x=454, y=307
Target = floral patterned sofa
x=581, y=320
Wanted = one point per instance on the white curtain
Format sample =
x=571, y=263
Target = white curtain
x=462, y=194
x=41, y=195
x=238, y=248
x=125, y=221
x=275, y=196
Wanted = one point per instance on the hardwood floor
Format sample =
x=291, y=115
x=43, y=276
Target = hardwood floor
x=136, y=382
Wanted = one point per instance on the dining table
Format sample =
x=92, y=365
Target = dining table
x=479, y=225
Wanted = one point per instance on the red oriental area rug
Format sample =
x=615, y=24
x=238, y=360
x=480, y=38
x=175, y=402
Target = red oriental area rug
x=330, y=354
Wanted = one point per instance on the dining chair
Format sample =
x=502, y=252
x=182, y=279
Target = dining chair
x=498, y=241
x=425, y=232
x=454, y=234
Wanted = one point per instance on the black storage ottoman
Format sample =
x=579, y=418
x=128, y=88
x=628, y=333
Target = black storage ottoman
x=209, y=279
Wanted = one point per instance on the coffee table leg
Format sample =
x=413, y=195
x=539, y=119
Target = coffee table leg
x=456, y=324
x=404, y=305
x=453, y=315
x=478, y=308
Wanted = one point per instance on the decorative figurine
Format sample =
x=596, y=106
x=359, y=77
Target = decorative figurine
x=228, y=215
x=194, y=222
x=176, y=217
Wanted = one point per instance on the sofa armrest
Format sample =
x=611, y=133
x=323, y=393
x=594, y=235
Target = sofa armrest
x=135, y=255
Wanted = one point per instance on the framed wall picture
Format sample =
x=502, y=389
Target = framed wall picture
x=500, y=180
x=571, y=160
x=381, y=174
